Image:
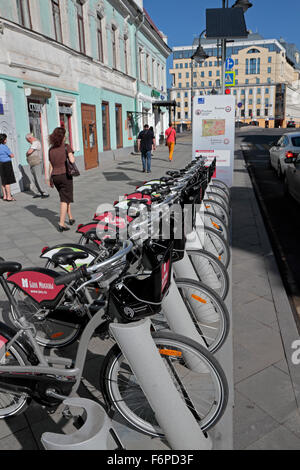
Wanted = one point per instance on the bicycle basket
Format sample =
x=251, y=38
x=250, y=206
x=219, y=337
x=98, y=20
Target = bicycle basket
x=137, y=297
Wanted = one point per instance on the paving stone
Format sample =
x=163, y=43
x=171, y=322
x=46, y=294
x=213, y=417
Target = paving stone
x=278, y=439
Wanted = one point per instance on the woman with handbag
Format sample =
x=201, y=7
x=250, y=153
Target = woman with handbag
x=6, y=169
x=60, y=154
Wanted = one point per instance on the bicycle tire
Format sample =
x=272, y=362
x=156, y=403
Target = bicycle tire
x=207, y=311
x=215, y=222
x=214, y=243
x=134, y=406
x=205, y=274
x=221, y=184
x=50, y=332
x=13, y=404
x=211, y=196
x=216, y=189
x=216, y=208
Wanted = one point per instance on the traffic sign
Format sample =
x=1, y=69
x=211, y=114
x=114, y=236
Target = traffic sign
x=240, y=104
x=229, y=64
x=230, y=78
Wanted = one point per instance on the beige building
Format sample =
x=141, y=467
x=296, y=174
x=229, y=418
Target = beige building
x=266, y=84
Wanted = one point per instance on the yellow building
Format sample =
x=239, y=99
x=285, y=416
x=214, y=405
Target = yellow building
x=266, y=71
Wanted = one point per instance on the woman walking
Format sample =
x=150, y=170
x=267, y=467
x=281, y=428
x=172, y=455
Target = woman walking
x=6, y=169
x=170, y=140
x=58, y=154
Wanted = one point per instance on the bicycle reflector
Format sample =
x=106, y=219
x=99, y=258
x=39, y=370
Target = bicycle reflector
x=170, y=352
x=45, y=249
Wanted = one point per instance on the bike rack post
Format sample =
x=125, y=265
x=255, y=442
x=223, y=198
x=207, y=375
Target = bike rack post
x=179, y=425
x=93, y=435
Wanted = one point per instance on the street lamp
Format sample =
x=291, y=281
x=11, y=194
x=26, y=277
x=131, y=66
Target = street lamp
x=199, y=56
x=244, y=4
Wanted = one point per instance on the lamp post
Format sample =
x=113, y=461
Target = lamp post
x=199, y=56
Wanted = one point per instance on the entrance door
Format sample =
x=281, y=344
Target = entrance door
x=7, y=126
x=89, y=134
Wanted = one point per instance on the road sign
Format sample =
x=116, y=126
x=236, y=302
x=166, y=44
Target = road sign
x=239, y=105
x=229, y=63
x=230, y=78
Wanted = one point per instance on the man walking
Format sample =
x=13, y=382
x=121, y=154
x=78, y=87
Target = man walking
x=170, y=140
x=146, y=141
x=34, y=159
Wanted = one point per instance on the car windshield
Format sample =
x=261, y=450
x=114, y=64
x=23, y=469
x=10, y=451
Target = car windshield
x=296, y=141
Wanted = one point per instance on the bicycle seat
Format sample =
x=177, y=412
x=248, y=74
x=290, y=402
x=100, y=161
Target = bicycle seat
x=9, y=267
x=67, y=256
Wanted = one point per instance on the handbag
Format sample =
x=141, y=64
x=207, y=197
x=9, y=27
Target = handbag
x=71, y=168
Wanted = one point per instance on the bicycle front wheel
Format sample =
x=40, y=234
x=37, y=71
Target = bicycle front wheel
x=51, y=330
x=203, y=386
x=214, y=243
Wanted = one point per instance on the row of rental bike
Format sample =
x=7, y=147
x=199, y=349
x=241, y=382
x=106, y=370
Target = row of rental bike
x=162, y=253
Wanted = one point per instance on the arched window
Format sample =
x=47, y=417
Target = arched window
x=253, y=51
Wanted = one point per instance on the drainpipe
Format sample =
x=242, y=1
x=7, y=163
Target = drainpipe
x=137, y=62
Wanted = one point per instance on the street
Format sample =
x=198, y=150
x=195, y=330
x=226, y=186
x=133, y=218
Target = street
x=280, y=212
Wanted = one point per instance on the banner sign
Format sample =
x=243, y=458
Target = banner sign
x=214, y=132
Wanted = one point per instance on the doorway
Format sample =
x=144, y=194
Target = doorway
x=89, y=135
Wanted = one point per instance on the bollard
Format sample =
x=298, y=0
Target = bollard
x=93, y=435
x=179, y=425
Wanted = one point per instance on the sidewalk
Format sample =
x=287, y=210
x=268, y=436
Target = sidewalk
x=30, y=224
x=267, y=384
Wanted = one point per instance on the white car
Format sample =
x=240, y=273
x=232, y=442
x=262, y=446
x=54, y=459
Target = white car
x=287, y=146
x=292, y=178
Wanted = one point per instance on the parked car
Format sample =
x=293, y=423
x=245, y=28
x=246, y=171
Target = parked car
x=292, y=177
x=291, y=124
x=287, y=146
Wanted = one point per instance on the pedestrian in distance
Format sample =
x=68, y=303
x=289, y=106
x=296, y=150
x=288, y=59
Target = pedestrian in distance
x=34, y=159
x=58, y=153
x=6, y=169
x=146, y=142
x=170, y=140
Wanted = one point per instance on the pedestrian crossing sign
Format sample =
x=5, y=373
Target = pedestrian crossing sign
x=230, y=78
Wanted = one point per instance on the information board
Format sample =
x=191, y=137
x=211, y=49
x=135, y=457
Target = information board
x=214, y=132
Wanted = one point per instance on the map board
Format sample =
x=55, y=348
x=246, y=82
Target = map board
x=214, y=132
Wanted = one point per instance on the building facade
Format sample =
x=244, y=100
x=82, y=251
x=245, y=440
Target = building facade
x=266, y=80
x=92, y=66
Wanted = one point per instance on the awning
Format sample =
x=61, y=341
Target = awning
x=164, y=104
x=41, y=92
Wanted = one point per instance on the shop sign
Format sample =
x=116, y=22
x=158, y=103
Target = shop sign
x=65, y=109
x=35, y=107
x=155, y=94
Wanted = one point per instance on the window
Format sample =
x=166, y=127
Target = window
x=257, y=80
x=141, y=63
x=250, y=112
x=148, y=68
x=210, y=73
x=269, y=80
x=269, y=69
x=114, y=46
x=219, y=84
x=178, y=95
x=234, y=92
x=269, y=59
x=266, y=112
x=195, y=74
x=209, y=83
x=24, y=13
x=202, y=83
x=236, y=72
x=186, y=65
x=242, y=92
x=258, y=100
x=181, y=66
x=186, y=115
x=195, y=84
x=100, y=41
x=187, y=75
x=56, y=20
x=80, y=26
x=178, y=104
x=202, y=74
x=179, y=75
x=179, y=115
x=246, y=81
x=253, y=51
x=266, y=91
x=242, y=113
x=266, y=101
x=187, y=84
x=179, y=85
x=236, y=61
x=250, y=102
x=185, y=104
x=185, y=94
x=258, y=112
x=218, y=73
x=176, y=66
x=252, y=66
x=250, y=91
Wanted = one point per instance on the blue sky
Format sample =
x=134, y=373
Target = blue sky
x=181, y=20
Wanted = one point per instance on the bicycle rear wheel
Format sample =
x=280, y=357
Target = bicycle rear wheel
x=213, y=221
x=51, y=331
x=220, y=184
x=203, y=387
x=216, y=208
x=214, y=243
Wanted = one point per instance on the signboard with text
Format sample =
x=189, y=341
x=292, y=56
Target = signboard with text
x=214, y=132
